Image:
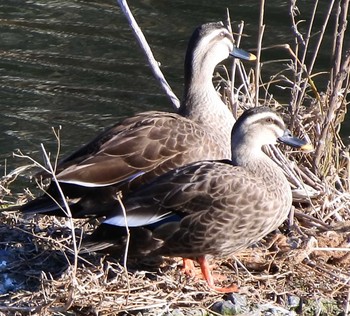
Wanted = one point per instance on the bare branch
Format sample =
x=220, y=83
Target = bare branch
x=149, y=55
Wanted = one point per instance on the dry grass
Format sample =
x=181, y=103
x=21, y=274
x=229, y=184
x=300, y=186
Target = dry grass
x=309, y=260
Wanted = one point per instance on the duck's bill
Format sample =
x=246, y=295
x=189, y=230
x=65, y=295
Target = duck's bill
x=242, y=54
x=294, y=142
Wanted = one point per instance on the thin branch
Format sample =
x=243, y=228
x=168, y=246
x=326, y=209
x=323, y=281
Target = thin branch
x=119, y=197
x=69, y=213
x=324, y=26
x=340, y=33
x=258, y=53
x=58, y=139
x=336, y=100
x=149, y=55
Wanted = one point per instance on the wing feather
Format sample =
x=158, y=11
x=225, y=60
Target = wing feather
x=154, y=142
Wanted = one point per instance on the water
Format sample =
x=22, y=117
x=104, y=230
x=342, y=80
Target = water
x=76, y=64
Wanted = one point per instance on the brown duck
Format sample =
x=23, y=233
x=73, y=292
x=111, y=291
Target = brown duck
x=151, y=143
x=208, y=208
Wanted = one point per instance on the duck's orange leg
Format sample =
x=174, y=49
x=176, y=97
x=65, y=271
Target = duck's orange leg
x=210, y=280
x=188, y=267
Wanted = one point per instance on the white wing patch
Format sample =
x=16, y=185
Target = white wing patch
x=135, y=220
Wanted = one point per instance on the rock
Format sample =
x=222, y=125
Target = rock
x=233, y=305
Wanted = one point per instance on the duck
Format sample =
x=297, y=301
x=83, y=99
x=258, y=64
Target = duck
x=148, y=144
x=207, y=209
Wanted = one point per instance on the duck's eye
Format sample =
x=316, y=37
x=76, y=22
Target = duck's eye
x=222, y=34
x=269, y=120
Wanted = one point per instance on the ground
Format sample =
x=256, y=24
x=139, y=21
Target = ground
x=290, y=272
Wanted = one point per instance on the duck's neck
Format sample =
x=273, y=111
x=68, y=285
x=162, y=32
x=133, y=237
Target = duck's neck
x=202, y=104
x=259, y=164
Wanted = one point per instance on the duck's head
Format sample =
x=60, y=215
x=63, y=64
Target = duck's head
x=210, y=44
x=261, y=126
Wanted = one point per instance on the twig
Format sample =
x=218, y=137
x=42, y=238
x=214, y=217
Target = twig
x=58, y=139
x=337, y=99
x=119, y=197
x=324, y=26
x=70, y=219
x=51, y=240
x=330, y=249
x=147, y=50
x=233, y=96
x=300, y=94
x=342, y=14
x=36, y=164
x=258, y=53
x=238, y=65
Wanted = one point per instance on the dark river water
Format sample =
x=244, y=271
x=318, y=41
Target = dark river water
x=76, y=64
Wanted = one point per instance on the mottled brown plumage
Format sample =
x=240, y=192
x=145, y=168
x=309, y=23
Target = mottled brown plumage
x=209, y=208
x=150, y=143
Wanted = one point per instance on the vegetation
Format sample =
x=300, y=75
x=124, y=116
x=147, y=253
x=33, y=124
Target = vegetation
x=308, y=263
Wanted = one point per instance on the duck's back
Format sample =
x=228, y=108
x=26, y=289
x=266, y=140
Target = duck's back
x=150, y=143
